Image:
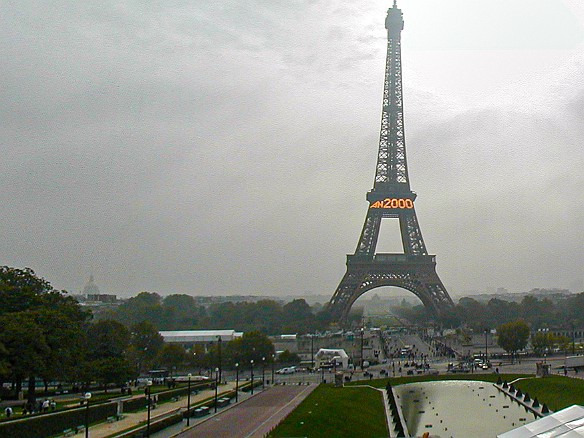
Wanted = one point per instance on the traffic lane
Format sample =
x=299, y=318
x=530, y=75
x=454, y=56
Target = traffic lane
x=253, y=417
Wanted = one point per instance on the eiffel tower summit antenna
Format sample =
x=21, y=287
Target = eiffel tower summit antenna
x=391, y=197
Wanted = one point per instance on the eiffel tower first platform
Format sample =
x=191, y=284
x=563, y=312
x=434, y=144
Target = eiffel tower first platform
x=391, y=197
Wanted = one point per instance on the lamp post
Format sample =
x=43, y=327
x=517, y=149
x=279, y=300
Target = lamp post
x=486, y=343
x=149, y=391
x=263, y=371
x=219, y=345
x=216, y=385
x=362, y=333
x=273, y=363
x=312, y=350
x=87, y=396
x=189, y=401
x=251, y=365
x=573, y=338
x=236, y=380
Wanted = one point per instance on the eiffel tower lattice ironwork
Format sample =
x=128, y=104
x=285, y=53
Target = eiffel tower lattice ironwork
x=391, y=197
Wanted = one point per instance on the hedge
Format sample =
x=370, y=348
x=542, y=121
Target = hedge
x=135, y=404
x=139, y=403
x=155, y=426
x=40, y=426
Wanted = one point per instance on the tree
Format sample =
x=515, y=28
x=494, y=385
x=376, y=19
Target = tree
x=107, y=338
x=297, y=317
x=181, y=312
x=542, y=342
x=26, y=346
x=172, y=356
x=145, y=345
x=20, y=289
x=286, y=357
x=252, y=345
x=61, y=323
x=116, y=370
x=4, y=364
x=146, y=306
x=537, y=313
x=513, y=336
x=41, y=328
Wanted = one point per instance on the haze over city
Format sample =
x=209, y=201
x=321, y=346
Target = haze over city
x=203, y=148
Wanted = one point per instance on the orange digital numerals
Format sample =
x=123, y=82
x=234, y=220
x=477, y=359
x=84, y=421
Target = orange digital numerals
x=393, y=203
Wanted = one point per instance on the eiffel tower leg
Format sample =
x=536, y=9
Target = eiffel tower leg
x=417, y=276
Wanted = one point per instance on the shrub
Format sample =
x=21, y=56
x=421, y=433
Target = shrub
x=56, y=422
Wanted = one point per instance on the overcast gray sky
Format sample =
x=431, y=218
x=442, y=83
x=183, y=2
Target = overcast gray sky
x=225, y=147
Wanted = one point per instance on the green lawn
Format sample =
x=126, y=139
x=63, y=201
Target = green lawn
x=336, y=412
x=557, y=392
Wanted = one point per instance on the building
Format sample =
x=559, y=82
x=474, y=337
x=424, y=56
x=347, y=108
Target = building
x=189, y=338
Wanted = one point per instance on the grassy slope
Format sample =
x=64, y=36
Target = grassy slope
x=336, y=412
x=557, y=392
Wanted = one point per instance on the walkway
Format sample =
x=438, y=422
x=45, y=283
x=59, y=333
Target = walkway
x=103, y=430
x=254, y=417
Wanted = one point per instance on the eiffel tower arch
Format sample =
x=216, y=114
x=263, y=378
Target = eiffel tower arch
x=391, y=197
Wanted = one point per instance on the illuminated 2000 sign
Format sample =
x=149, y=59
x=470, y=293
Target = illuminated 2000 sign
x=393, y=203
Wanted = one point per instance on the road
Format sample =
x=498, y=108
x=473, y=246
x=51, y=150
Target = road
x=255, y=416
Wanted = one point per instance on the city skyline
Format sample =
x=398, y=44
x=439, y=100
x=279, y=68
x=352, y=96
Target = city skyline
x=219, y=149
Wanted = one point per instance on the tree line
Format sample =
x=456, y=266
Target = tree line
x=45, y=334
x=537, y=313
x=181, y=312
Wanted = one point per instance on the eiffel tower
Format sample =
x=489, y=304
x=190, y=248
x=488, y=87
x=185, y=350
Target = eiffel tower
x=391, y=197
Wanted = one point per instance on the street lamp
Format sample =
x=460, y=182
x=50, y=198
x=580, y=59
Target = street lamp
x=573, y=338
x=87, y=396
x=149, y=391
x=251, y=365
x=362, y=333
x=486, y=342
x=236, y=380
x=189, y=401
x=216, y=385
x=273, y=362
x=312, y=350
x=263, y=371
x=219, y=344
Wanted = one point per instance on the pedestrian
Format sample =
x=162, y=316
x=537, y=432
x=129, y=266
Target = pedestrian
x=46, y=405
x=8, y=412
x=53, y=405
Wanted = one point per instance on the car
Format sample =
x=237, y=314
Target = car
x=286, y=370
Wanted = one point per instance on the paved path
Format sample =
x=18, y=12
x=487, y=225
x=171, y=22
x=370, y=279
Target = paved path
x=255, y=416
x=103, y=430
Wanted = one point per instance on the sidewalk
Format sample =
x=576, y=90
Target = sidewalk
x=103, y=430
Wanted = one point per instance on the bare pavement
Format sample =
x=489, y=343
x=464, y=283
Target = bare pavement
x=253, y=417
